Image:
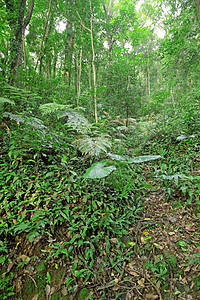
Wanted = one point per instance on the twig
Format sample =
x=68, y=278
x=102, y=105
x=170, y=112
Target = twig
x=154, y=286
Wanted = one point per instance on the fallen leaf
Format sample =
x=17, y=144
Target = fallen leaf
x=187, y=269
x=114, y=240
x=10, y=266
x=190, y=228
x=133, y=273
x=146, y=233
x=141, y=282
x=151, y=296
x=23, y=258
x=158, y=285
x=171, y=233
x=18, y=285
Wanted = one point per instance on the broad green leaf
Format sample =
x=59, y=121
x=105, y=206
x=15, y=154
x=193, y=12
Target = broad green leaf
x=98, y=170
x=129, y=160
x=141, y=159
x=117, y=157
x=181, y=137
x=173, y=177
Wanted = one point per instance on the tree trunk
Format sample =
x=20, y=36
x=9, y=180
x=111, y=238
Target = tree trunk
x=44, y=33
x=197, y=5
x=69, y=41
x=18, y=23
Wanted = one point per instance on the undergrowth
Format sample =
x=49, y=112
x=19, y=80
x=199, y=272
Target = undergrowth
x=47, y=195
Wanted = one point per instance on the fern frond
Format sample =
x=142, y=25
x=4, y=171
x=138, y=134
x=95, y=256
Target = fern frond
x=35, y=122
x=93, y=145
x=52, y=107
x=5, y=100
x=75, y=119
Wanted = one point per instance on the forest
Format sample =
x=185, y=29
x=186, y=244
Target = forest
x=99, y=149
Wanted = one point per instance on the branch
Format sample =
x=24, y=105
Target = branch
x=82, y=22
x=29, y=14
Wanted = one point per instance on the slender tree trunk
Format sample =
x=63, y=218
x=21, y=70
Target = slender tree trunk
x=90, y=86
x=197, y=5
x=44, y=33
x=18, y=23
x=93, y=64
x=149, y=75
x=69, y=42
x=93, y=58
x=79, y=66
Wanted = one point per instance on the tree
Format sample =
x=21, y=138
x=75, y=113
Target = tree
x=18, y=21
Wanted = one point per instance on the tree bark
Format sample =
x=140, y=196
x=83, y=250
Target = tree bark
x=18, y=23
x=44, y=33
x=197, y=5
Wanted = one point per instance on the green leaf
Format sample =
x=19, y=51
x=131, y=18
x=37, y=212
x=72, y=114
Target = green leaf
x=118, y=157
x=80, y=272
x=141, y=159
x=5, y=100
x=98, y=170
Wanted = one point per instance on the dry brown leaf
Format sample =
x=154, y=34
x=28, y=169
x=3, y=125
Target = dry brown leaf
x=113, y=240
x=133, y=273
x=18, y=285
x=171, y=233
x=141, y=282
x=23, y=258
x=158, y=284
x=187, y=269
x=151, y=296
x=190, y=227
x=10, y=266
x=159, y=246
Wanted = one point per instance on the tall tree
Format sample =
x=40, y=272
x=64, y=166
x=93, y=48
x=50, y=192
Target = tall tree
x=18, y=22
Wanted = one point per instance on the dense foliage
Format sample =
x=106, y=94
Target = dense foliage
x=99, y=108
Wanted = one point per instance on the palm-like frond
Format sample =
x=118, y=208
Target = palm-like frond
x=49, y=108
x=75, y=119
x=5, y=100
x=35, y=122
x=93, y=145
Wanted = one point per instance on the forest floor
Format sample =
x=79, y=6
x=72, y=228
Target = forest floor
x=158, y=257
x=163, y=240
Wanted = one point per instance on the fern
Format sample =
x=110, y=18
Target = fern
x=75, y=119
x=93, y=145
x=5, y=100
x=49, y=108
x=35, y=122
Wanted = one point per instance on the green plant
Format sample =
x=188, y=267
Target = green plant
x=160, y=267
x=6, y=287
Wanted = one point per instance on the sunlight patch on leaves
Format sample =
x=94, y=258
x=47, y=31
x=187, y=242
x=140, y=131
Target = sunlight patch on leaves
x=35, y=122
x=93, y=145
x=98, y=170
x=5, y=100
x=138, y=159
